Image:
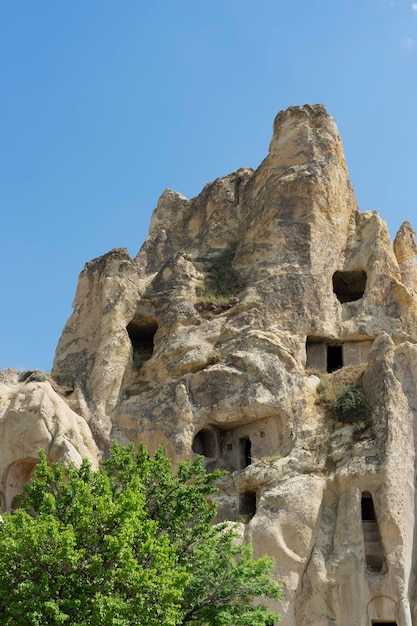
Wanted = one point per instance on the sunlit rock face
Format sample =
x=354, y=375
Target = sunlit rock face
x=230, y=334
x=35, y=416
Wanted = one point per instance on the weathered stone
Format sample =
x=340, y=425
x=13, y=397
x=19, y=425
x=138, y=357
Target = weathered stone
x=35, y=417
x=246, y=312
x=405, y=249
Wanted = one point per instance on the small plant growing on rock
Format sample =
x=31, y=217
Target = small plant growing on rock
x=351, y=404
x=341, y=394
x=362, y=429
x=359, y=426
x=140, y=356
x=321, y=387
x=222, y=281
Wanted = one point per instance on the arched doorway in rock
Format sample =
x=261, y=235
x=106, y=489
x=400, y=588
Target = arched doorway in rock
x=205, y=443
x=382, y=610
x=18, y=474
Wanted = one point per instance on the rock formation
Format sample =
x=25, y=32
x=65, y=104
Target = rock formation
x=270, y=326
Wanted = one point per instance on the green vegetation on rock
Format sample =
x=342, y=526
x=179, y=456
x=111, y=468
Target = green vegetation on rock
x=351, y=404
x=140, y=355
x=342, y=395
x=222, y=281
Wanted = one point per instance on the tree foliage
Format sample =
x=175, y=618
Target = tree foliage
x=130, y=544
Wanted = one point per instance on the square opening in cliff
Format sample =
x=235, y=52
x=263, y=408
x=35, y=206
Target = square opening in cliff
x=349, y=286
x=141, y=335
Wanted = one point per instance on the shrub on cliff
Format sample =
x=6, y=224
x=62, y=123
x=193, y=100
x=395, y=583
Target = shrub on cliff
x=130, y=544
x=351, y=404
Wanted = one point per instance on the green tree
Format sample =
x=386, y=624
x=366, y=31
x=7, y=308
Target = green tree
x=131, y=544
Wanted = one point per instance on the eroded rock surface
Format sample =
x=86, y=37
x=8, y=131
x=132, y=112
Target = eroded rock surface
x=245, y=314
x=36, y=417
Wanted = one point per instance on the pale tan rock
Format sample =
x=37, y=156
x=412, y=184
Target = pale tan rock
x=405, y=248
x=305, y=283
x=34, y=417
x=94, y=348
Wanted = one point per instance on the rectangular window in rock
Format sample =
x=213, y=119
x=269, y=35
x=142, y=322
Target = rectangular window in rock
x=245, y=456
x=323, y=355
x=367, y=508
x=374, y=551
x=334, y=357
x=327, y=355
x=247, y=505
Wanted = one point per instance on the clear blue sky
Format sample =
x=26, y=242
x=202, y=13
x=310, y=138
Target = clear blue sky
x=106, y=103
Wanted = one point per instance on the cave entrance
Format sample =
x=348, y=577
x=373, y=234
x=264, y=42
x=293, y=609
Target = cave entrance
x=245, y=456
x=141, y=334
x=383, y=621
x=334, y=358
x=349, y=286
x=247, y=505
x=205, y=443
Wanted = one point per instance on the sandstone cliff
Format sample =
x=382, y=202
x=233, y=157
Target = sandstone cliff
x=247, y=313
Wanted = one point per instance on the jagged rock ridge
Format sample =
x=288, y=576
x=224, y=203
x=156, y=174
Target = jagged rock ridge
x=228, y=335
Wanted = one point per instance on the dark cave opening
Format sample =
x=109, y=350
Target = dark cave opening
x=349, y=286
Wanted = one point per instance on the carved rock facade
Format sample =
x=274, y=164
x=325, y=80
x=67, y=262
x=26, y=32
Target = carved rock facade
x=246, y=308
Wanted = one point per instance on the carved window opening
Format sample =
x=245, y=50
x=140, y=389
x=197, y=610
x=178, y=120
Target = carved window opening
x=384, y=621
x=334, y=358
x=349, y=286
x=247, y=505
x=141, y=335
x=245, y=455
x=367, y=508
x=374, y=551
x=327, y=354
x=205, y=443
